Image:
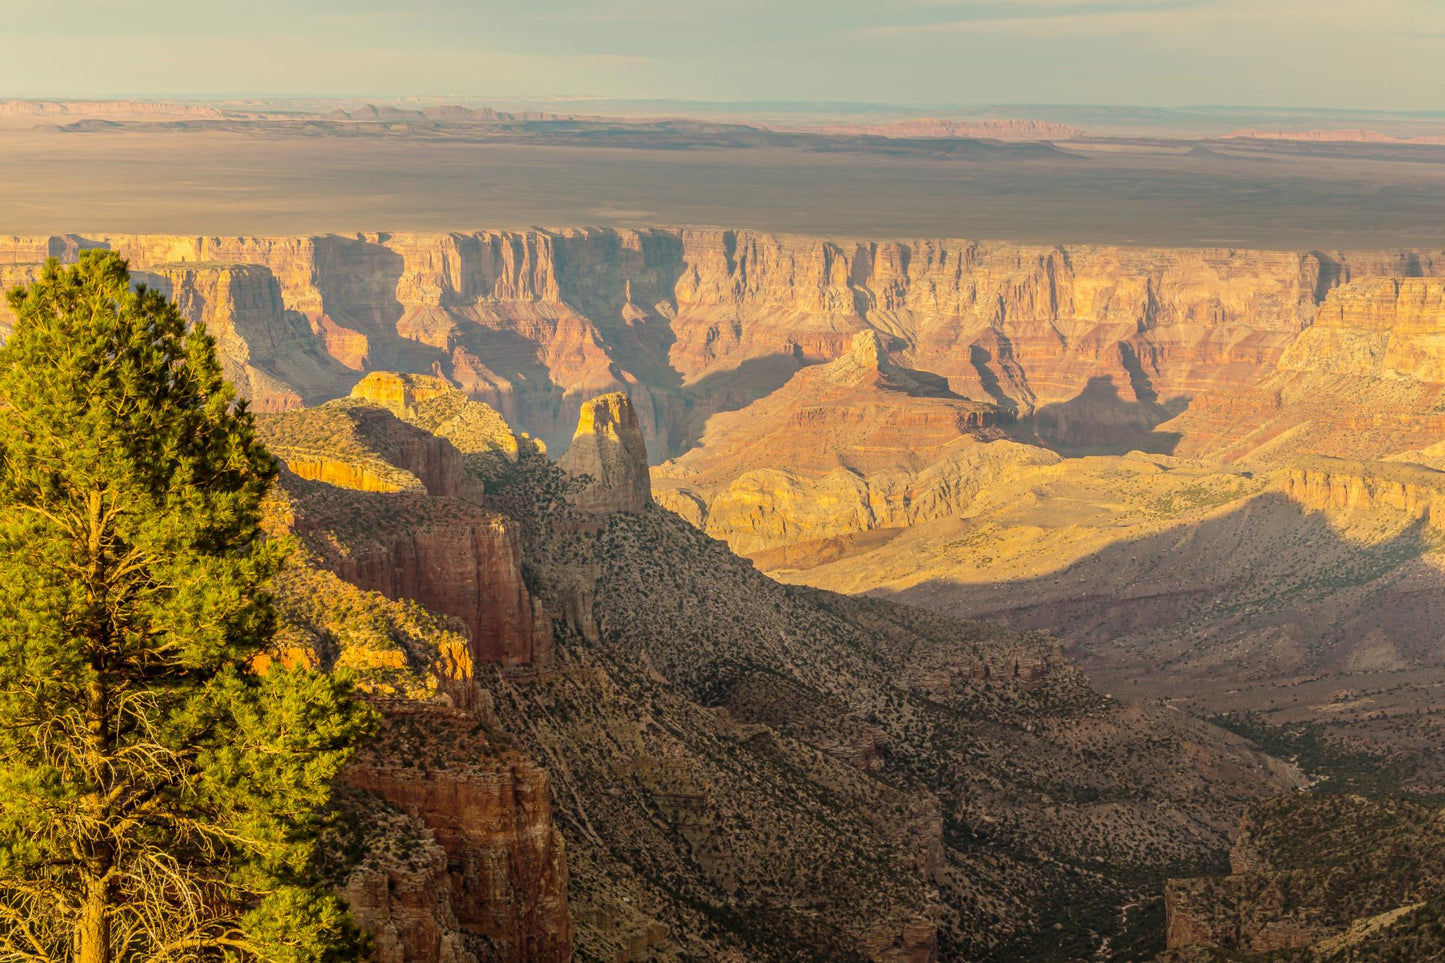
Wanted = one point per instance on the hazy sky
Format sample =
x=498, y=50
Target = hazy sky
x=1326, y=53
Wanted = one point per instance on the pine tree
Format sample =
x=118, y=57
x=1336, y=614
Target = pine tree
x=160, y=798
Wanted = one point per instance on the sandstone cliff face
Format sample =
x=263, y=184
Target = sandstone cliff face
x=690, y=322
x=486, y=442
x=1336, y=484
x=399, y=894
x=609, y=448
x=505, y=871
x=446, y=849
x=469, y=568
x=1036, y=323
x=394, y=509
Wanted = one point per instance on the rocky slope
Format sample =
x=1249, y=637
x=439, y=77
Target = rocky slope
x=708, y=764
x=741, y=716
x=1307, y=871
x=1175, y=574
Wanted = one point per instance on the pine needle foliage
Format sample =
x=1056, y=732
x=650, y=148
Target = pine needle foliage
x=160, y=797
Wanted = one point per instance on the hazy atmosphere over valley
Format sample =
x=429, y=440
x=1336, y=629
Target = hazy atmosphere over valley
x=951, y=481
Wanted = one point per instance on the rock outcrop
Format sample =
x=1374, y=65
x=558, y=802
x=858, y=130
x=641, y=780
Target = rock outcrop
x=392, y=508
x=505, y=880
x=446, y=849
x=367, y=448
x=398, y=392
x=467, y=566
x=609, y=449
x=1336, y=484
x=1305, y=869
x=482, y=436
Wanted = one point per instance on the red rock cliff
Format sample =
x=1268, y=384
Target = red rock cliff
x=468, y=567
x=506, y=873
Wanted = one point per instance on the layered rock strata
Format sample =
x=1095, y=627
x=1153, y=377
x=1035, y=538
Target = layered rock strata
x=1363, y=381
x=860, y=444
x=690, y=322
x=505, y=880
x=608, y=449
x=1337, y=484
x=392, y=508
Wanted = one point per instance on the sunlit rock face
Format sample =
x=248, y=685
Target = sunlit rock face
x=504, y=870
x=1102, y=343
x=395, y=509
x=609, y=449
x=1364, y=380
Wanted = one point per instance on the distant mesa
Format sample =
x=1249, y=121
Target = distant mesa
x=446, y=113
x=990, y=129
x=109, y=109
x=1355, y=136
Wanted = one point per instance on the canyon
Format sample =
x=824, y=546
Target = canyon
x=700, y=761
x=734, y=595
x=946, y=422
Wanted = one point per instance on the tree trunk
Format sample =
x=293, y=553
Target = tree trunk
x=93, y=930
x=93, y=934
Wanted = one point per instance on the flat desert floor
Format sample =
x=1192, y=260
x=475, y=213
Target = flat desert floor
x=278, y=180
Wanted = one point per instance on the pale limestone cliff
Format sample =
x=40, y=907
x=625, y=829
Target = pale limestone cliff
x=609, y=449
x=398, y=392
x=1337, y=484
x=1376, y=327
